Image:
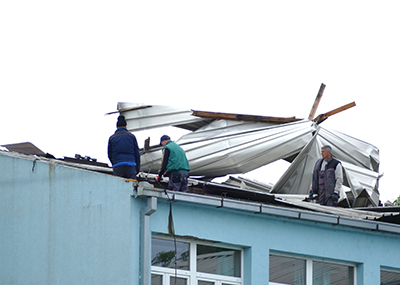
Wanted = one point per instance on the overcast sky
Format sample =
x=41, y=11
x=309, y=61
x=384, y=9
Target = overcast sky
x=64, y=64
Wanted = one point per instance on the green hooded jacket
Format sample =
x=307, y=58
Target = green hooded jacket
x=177, y=161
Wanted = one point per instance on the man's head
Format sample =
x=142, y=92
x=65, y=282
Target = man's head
x=121, y=123
x=326, y=152
x=164, y=140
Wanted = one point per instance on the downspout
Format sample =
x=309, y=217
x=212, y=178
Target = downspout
x=145, y=241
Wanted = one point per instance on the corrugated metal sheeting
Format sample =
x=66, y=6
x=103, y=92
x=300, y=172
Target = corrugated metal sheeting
x=241, y=143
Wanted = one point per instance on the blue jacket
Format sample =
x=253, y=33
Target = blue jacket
x=123, y=149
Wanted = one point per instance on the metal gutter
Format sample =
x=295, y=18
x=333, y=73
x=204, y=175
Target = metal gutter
x=147, y=190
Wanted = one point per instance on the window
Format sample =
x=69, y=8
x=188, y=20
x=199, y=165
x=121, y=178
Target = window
x=188, y=262
x=329, y=273
x=390, y=277
x=285, y=269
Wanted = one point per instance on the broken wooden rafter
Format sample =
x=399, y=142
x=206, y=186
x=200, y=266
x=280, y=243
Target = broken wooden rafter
x=247, y=118
x=325, y=116
x=316, y=102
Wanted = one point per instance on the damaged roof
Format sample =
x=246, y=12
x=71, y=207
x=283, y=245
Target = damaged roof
x=244, y=194
x=261, y=202
x=222, y=144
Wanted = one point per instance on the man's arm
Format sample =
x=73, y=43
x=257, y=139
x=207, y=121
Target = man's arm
x=137, y=154
x=164, y=161
x=109, y=151
x=314, y=180
x=339, y=178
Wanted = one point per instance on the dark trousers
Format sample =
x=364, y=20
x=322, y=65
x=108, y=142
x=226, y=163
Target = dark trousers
x=327, y=201
x=125, y=171
x=178, y=181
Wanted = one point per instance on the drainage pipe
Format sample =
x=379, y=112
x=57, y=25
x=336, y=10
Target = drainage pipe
x=145, y=241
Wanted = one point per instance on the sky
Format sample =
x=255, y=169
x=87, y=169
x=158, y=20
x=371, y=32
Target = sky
x=65, y=64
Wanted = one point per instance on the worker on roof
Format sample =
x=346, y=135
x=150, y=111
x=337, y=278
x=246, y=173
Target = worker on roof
x=123, y=151
x=174, y=164
x=327, y=178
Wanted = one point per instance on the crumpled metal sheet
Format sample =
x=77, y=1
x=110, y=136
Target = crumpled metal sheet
x=357, y=176
x=144, y=117
x=223, y=147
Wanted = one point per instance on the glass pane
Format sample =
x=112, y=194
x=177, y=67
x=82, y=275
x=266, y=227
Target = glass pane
x=178, y=281
x=156, y=279
x=216, y=260
x=287, y=270
x=163, y=253
x=390, y=277
x=332, y=274
x=200, y=282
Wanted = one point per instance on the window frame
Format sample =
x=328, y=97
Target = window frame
x=309, y=265
x=389, y=270
x=192, y=274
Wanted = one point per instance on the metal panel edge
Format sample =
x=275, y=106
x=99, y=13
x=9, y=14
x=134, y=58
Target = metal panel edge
x=198, y=199
x=364, y=224
x=318, y=217
x=389, y=227
x=282, y=212
x=244, y=206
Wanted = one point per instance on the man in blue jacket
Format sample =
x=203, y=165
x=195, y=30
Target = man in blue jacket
x=174, y=164
x=123, y=151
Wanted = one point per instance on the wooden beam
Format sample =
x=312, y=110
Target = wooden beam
x=316, y=102
x=325, y=116
x=247, y=118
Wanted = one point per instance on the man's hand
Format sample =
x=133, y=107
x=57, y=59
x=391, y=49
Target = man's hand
x=158, y=178
x=335, y=198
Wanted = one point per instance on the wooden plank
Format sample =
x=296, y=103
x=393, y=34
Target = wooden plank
x=316, y=102
x=247, y=118
x=325, y=116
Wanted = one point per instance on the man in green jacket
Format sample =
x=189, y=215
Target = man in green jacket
x=174, y=164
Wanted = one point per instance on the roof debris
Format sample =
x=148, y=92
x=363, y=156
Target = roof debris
x=221, y=144
x=237, y=189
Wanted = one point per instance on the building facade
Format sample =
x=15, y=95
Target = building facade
x=64, y=225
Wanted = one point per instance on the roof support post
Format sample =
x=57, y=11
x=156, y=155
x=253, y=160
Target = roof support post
x=145, y=241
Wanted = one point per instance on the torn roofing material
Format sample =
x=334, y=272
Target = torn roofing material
x=257, y=201
x=25, y=148
x=242, y=194
x=218, y=147
x=144, y=117
x=28, y=148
